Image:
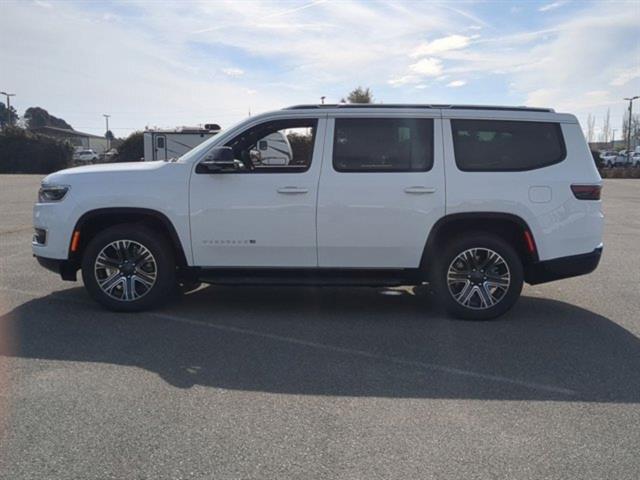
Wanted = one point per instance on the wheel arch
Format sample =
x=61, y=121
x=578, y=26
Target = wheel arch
x=94, y=221
x=510, y=227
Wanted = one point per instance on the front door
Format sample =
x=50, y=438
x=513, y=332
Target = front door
x=262, y=214
x=381, y=190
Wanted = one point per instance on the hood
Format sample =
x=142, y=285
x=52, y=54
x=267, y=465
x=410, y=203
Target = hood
x=71, y=174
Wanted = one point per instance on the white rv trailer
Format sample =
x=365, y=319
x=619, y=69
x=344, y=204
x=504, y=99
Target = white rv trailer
x=274, y=149
x=162, y=144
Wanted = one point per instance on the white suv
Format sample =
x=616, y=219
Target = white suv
x=85, y=156
x=473, y=200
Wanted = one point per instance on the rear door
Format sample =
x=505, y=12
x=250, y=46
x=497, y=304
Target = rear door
x=381, y=189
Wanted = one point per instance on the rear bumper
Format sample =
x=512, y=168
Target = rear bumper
x=564, y=267
x=65, y=268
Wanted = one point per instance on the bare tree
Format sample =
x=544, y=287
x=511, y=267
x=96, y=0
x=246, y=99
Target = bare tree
x=591, y=127
x=606, y=127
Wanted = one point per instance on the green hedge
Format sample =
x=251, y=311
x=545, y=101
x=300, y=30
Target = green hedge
x=25, y=152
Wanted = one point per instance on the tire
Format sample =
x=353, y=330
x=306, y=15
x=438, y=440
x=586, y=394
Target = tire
x=454, y=272
x=114, y=279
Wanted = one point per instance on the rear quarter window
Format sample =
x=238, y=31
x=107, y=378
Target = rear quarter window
x=497, y=145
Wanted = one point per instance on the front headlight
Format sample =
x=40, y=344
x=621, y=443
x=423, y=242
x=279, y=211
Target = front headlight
x=52, y=193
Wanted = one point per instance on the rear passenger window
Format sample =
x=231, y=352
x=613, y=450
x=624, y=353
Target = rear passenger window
x=383, y=145
x=492, y=145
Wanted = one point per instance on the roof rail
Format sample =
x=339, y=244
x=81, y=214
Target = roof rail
x=420, y=106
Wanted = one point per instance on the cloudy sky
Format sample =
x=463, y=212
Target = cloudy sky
x=162, y=63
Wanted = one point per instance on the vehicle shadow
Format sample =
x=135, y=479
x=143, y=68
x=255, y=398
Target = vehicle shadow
x=350, y=341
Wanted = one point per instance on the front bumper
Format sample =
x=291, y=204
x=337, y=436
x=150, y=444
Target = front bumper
x=564, y=267
x=67, y=269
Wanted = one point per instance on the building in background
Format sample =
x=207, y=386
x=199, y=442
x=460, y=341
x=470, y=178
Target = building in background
x=77, y=139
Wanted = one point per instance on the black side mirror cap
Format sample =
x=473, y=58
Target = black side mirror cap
x=219, y=159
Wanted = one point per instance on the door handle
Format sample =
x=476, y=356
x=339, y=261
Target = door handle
x=292, y=190
x=420, y=190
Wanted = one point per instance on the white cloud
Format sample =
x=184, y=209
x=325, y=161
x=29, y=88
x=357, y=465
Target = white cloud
x=457, y=83
x=403, y=80
x=299, y=54
x=233, y=72
x=427, y=67
x=440, y=45
x=551, y=6
x=622, y=77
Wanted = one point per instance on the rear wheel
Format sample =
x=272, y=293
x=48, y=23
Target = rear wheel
x=129, y=268
x=478, y=276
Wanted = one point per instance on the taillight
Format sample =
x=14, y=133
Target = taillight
x=586, y=192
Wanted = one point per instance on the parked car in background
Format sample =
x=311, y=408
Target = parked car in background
x=608, y=159
x=635, y=159
x=622, y=159
x=85, y=157
x=109, y=155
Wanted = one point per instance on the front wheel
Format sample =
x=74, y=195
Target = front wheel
x=129, y=268
x=478, y=276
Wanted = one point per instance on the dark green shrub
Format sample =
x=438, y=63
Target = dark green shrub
x=131, y=149
x=26, y=152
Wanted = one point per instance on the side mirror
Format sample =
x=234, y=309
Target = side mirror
x=220, y=159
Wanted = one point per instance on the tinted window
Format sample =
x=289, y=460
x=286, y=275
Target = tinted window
x=491, y=145
x=277, y=146
x=383, y=145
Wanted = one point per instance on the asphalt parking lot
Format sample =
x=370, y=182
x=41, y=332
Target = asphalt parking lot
x=320, y=383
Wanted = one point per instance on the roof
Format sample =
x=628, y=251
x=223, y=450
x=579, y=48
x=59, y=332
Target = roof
x=192, y=130
x=208, y=128
x=65, y=131
x=420, y=106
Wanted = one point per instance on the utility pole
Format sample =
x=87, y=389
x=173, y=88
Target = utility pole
x=106, y=117
x=631, y=99
x=8, y=97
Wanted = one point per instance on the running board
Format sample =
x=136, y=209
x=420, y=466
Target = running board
x=310, y=276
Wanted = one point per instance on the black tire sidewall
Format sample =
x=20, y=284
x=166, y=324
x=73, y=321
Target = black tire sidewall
x=478, y=240
x=159, y=248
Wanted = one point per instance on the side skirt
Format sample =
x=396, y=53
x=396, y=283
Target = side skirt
x=310, y=276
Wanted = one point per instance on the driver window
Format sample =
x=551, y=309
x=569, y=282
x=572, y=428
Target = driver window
x=276, y=146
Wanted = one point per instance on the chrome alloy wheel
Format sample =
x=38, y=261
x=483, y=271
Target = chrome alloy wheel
x=478, y=278
x=125, y=270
